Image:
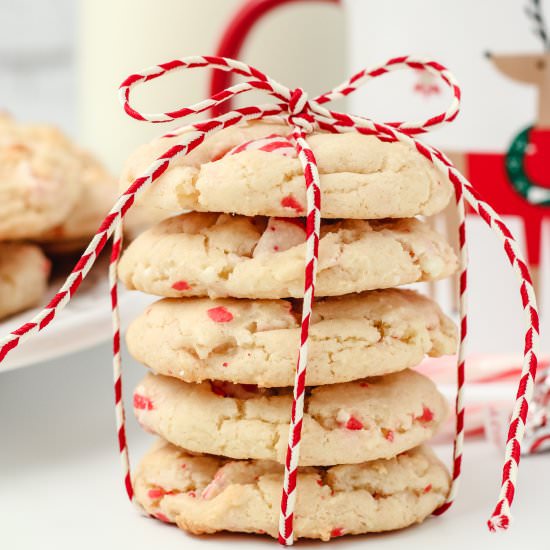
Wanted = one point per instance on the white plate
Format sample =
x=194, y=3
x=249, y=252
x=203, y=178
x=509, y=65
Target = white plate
x=85, y=322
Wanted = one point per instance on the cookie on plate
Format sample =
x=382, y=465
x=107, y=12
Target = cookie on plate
x=219, y=255
x=38, y=179
x=24, y=272
x=206, y=494
x=98, y=193
x=256, y=341
x=343, y=423
x=239, y=171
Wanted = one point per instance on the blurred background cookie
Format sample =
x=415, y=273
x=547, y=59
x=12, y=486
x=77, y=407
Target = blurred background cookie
x=39, y=179
x=24, y=272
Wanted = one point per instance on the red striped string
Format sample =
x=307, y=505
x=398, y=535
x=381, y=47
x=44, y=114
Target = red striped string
x=304, y=116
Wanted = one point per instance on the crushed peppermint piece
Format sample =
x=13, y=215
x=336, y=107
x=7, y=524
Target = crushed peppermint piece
x=354, y=424
x=155, y=494
x=427, y=415
x=181, y=285
x=280, y=235
x=337, y=532
x=142, y=403
x=220, y=314
x=290, y=202
x=428, y=488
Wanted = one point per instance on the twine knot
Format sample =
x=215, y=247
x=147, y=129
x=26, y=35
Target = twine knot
x=299, y=109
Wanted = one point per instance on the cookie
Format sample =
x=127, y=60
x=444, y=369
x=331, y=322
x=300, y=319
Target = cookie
x=38, y=179
x=24, y=272
x=206, y=494
x=254, y=170
x=256, y=341
x=343, y=423
x=98, y=193
x=219, y=255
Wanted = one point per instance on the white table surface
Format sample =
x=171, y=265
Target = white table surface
x=60, y=483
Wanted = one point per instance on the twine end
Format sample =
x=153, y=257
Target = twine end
x=499, y=522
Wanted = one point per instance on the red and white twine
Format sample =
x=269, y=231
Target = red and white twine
x=304, y=116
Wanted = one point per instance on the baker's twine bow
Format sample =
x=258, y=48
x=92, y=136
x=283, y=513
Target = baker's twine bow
x=305, y=115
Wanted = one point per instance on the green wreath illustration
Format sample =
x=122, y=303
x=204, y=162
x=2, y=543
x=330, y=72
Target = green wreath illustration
x=534, y=194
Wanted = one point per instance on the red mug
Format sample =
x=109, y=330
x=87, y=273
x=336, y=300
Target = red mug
x=234, y=36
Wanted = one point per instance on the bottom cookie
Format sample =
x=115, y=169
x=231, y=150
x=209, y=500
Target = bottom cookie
x=24, y=272
x=206, y=494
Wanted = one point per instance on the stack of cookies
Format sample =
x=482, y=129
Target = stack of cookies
x=51, y=193
x=222, y=343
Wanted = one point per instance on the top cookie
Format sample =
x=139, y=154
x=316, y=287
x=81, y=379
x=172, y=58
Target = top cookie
x=253, y=170
x=38, y=179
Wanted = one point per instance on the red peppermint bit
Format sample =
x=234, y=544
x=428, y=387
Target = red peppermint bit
x=260, y=532
x=364, y=384
x=290, y=202
x=142, y=403
x=157, y=493
x=183, y=466
x=320, y=482
x=427, y=415
x=220, y=314
x=181, y=285
x=388, y=434
x=354, y=424
x=225, y=364
x=276, y=248
x=192, y=494
x=162, y=517
x=337, y=532
x=428, y=488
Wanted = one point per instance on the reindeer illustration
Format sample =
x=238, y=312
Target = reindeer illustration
x=517, y=183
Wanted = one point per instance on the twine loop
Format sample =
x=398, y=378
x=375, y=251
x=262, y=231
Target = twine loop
x=300, y=113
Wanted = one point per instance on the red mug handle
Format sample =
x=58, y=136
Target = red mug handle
x=233, y=38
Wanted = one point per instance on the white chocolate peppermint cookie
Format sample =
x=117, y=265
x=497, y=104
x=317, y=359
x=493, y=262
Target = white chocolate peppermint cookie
x=343, y=423
x=98, y=193
x=206, y=494
x=38, y=179
x=256, y=341
x=254, y=170
x=219, y=255
x=24, y=272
